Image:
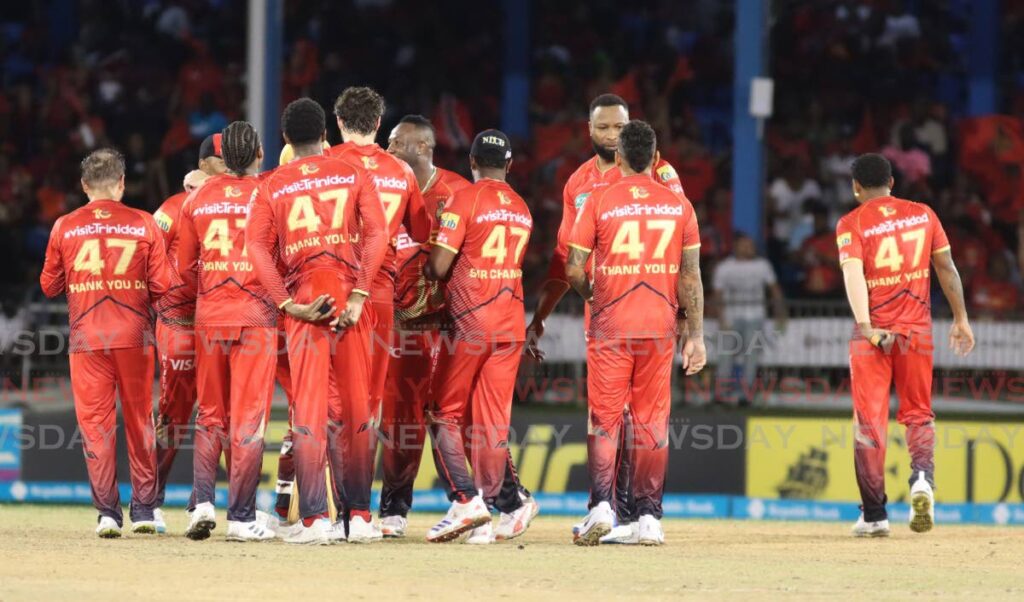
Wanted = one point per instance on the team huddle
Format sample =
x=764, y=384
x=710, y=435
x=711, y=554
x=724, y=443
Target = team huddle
x=384, y=294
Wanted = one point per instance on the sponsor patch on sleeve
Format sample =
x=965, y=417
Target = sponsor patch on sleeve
x=666, y=173
x=449, y=220
x=580, y=199
x=844, y=239
x=163, y=221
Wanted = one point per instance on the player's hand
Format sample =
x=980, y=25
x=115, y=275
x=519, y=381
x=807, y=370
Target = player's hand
x=350, y=315
x=961, y=338
x=879, y=337
x=533, y=334
x=321, y=308
x=695, y=356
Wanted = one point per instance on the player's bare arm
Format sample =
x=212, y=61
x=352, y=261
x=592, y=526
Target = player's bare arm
x=550, y=294
x=961, y=337
x=439, y=266
x=690, y=294
x=576, y=273
x=857, y=294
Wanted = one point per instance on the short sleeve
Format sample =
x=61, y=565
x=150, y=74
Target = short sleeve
x=452, y=225
x=584, y=231
x=848, y=241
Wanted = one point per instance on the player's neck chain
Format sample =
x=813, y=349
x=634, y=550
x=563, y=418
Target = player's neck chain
x=430, y=180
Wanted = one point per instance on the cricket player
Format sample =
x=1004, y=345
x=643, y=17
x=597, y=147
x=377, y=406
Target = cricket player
x=174, y=332
x=316, y=233
x=609, y=113
x=110, y=261
x=359, y=111
x=646, y=274
x=479, y=252
x=236, y=339
x=885, y=245
x=419, y=311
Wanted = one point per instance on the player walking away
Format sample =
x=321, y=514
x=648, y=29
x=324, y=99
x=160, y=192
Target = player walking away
x=478, y=251
x=174, y=334
x=608, y=115
x=884, y=246
x=236, y=335
x=322, y=221
x=359, y=111
x=419, y=314
x=646, y=273
x=110, y=261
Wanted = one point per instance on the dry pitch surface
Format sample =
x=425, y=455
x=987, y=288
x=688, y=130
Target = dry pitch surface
x=50, y=553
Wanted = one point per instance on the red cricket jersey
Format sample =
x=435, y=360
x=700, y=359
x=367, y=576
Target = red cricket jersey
x=489, y=226
x=895, y=240
x=212, y=259
x=111, y=262
x=637, y=231
x=321, y=219
x=580, y=186
x=176, y=308
x=415, y=295
x=403, y=206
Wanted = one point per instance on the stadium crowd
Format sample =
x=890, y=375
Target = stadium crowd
x=154, y=78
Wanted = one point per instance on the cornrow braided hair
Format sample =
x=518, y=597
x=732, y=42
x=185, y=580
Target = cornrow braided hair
x=239, y=145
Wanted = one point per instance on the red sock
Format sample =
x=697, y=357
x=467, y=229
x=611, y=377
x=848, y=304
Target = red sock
x=365, y=514
x=309, y=519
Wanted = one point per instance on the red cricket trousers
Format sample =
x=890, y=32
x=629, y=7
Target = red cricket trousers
x=872, y=373
x=177, y=365
x=235, y=377
x=96, y=376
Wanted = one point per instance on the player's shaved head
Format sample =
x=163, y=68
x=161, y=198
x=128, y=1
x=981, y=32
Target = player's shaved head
x=412, y=140
x=872, y=170
x=103, y=168
x=303, y=122
x=359, y=109
x=637, y=145
x=608, y=115
x=423, y=126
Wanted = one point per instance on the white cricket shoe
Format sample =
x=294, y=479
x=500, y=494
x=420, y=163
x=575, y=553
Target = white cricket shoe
x=362, y=531
x=393, y=527
x=268, y=520
x=316, y=534
x=875, y=529
x=513, y=524
x=286, y=530
x=626, y=534
x=922, y=505
x=107, y=528
x=336, y=534
x=203, y=520
x=460, y=518
x=482, y=535
x=144, y=527
x=649, y=531
x=158, y=520
x=250, y=531
x=596, y=525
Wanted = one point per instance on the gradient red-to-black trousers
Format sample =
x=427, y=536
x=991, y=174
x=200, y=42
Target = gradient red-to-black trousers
x=235, y=378
x=634, y=374
x=872, y=373
x=96, y=378
x=176, y=354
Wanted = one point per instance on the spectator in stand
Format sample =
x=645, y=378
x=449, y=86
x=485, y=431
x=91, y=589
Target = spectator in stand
x=819, y=258
x=786, y=198
x=992, y=293
x=739, y=284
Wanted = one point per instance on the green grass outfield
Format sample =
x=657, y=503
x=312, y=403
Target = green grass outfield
x=50, y=553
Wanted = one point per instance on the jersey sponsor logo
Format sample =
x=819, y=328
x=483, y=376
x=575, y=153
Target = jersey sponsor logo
x=104, y=229
x=182, y=365
x=580, y=199
x=897, y=224
x=639, y=192
x=392, y=183
x=637, y=210
x=503, y=215
x=449, y=220
x=308, y=169
x=887, y=211
x=844, y=239
x=163, y=221
x=369, y=162
x=232, y=192
x=503, y=198
x=101, y=213
x=666, y=173
x=314, y=184
x=220, y=208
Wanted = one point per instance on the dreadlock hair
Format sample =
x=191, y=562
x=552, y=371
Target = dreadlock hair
x=239, y=144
